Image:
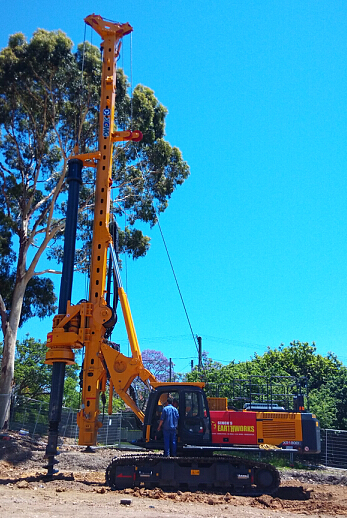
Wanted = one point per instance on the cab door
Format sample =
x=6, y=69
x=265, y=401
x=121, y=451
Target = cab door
x=154, y=410
x=194, y=423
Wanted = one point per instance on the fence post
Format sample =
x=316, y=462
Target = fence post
x=326, y=448
x=37, y=418
x=67, y=423
x=120, y=429
x=76, y=430
x=24, y=417
x=109, y=421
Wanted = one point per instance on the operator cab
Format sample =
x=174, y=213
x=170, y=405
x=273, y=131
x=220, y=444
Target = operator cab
x=194, y=426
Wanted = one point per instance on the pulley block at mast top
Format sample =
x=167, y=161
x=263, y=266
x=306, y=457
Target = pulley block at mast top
x=105, y=28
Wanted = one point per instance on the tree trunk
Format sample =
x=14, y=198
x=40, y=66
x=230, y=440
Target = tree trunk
x=7, y=364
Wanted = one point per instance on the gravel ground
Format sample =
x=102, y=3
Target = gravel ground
x=81, y=482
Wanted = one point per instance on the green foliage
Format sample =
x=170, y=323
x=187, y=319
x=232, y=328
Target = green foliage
x=326, y=378
x=323, y=404
x=39, y=298
x=47, y=104
x=300, y=360
x=32, y=377
x=338, y=389
x=71, y=397
x=276, y=459
x=117, y=404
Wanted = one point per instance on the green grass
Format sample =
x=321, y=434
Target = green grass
x=279, y=460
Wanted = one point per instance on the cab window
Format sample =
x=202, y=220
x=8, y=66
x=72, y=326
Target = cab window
x=191, y=404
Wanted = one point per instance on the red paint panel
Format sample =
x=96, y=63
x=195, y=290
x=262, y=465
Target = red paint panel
x=230, y=427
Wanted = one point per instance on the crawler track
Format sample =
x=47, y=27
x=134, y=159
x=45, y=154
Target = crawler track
x=237, y=475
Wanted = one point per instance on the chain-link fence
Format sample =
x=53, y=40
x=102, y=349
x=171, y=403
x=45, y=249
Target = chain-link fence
x=30, y=417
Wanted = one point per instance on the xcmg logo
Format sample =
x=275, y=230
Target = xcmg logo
x=106, y=123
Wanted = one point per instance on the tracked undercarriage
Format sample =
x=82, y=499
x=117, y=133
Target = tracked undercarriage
x=233, y=474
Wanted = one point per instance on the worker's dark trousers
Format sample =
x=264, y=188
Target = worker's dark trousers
x=170, y=442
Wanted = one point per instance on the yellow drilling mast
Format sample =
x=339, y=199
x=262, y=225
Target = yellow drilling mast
x=85, y=324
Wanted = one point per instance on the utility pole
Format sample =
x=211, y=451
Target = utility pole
x=170, y=372
x=191, y=365
x=200, y=352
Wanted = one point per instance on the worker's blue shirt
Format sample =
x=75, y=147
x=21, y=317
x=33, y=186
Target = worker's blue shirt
x=169, y=416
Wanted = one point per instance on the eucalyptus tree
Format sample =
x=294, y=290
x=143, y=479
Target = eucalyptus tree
x=49, y=102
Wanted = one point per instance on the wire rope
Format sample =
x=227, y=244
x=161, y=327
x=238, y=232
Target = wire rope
x=87, y=212
x=177, y=284
x=83, y=53
x=131, y=81
x=156, y=213
x=170, y=262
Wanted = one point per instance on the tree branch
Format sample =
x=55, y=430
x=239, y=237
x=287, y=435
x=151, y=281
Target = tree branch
x=42, y=202
x=3, y=316
x=19, y=155
x=48, y=237
x=3, y=190
x=48, y=271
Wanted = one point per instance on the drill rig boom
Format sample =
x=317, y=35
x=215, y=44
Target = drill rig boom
x=85, y=324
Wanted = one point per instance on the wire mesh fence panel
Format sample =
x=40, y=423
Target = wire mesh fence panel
x=31, y=417
x=334, y=448
x=68, y=424
x=118, y=428
x=111, y=431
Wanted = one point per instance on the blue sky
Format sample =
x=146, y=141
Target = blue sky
x=256, y=93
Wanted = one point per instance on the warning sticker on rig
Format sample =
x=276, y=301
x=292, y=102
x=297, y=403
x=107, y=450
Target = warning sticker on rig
x=195, y=472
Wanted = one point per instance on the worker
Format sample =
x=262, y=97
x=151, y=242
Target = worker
x=169, y=422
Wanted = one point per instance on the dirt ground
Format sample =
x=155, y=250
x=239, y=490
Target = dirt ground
x=80, y=488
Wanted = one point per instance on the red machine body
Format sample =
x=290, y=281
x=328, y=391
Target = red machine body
x=230, y=427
